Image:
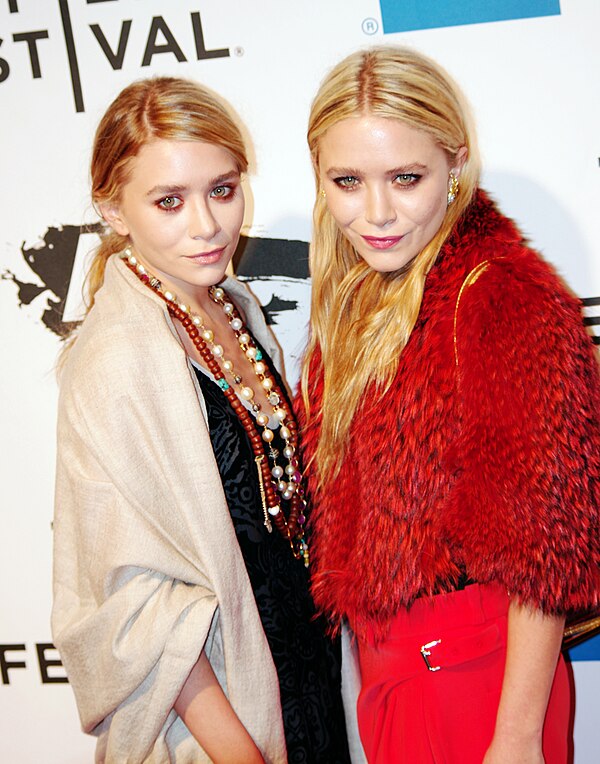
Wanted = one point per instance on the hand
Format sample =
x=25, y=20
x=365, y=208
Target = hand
x=512, y=750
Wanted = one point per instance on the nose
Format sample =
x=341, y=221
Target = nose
x=379, y=210
x=202, y=222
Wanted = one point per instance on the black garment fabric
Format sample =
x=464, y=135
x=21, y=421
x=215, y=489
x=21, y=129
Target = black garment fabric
x=307, y=661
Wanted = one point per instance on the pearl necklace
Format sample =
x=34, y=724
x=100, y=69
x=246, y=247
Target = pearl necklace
x=271, y=479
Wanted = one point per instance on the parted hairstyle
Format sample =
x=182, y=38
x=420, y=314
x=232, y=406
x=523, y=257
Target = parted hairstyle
x=166, y=108
x=361, y=319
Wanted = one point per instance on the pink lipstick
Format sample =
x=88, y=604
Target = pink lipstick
x=382, y=242
x=207, y=258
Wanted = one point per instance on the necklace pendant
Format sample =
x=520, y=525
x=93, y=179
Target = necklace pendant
x=263, y=496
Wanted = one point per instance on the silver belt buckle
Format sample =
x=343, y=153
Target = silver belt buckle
x=426, y=652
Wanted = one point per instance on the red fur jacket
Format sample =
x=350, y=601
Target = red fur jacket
x=492, y=465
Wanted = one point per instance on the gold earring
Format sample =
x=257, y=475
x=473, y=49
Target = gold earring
x=452, y=187
x=323, y=194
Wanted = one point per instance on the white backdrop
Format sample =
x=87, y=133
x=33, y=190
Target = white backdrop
x=533, y=85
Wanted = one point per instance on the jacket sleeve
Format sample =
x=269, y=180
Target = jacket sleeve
x=132, y=606
x=527, y=499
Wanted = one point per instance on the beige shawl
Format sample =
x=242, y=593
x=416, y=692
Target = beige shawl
x=147, y=569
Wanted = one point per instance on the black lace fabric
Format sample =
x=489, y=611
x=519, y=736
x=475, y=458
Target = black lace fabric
x=307, y=661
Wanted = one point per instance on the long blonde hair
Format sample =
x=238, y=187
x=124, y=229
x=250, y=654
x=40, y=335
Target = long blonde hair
x=166, y=108
x=360, y=333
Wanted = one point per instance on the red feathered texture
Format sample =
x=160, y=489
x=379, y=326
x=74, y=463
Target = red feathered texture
x=492, y=467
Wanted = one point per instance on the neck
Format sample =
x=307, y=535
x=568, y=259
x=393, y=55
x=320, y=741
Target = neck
x=196, y=297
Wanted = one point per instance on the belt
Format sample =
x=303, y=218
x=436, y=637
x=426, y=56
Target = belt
x=402, y=659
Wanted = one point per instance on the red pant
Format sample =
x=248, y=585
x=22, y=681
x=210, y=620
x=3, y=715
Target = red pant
x=407, y=713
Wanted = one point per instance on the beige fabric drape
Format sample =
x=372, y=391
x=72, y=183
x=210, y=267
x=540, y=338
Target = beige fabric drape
x=147, y=569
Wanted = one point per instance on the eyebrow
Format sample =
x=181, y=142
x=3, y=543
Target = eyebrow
x=403, y=170
x=178, y=189
x=156, y=190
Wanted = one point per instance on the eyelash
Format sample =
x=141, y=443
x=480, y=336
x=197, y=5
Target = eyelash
x=230, y=188
x=230, y=192
x=411, y=177
x=161, y=202
x=341, y=182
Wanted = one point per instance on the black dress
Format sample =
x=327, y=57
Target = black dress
x=307, y=661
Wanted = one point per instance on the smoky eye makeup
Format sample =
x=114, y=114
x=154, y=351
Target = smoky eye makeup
x=346, y=181
x=224, y=191
x=169, y=203
x=407, y=178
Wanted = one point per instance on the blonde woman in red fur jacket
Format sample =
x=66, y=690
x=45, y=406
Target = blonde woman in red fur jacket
x=450, y=401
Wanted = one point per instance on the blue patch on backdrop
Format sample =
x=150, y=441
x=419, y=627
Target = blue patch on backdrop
x=408, y=15
x=586, y=651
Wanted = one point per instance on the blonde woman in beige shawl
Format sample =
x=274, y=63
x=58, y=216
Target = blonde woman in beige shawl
x=181, y=609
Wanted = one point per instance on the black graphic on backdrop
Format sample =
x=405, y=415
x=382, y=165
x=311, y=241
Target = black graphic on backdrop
x=257, y=259
x=254, y=259
x=53, y=262
x=591, y=316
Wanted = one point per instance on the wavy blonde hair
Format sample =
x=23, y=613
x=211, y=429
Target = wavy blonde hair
x=166, y=108
x=360, y=333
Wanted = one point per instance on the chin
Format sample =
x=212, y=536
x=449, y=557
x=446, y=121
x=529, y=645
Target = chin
x=392, y=266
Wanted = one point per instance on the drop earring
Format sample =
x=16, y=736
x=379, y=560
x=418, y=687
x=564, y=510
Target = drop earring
x=452, y=187
x=323, y=194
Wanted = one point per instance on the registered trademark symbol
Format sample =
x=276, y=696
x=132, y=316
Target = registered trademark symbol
x=238, y=51
x=370, y=26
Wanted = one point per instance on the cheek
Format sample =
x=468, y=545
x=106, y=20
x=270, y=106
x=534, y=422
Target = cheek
x=228, y=211
x=232, y=216
x=429, y=211
x=143, y=219
x=344, y=209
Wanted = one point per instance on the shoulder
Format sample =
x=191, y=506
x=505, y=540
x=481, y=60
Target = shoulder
x=518, y=326
x=125, y=334
x=502, y=274
x=513, y=308
x=517, y=286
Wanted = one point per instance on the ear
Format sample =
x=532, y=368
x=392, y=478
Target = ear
x=112, y=215
x=461, y=158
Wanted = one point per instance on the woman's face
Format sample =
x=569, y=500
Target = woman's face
x=182, y=209
x=386, y=186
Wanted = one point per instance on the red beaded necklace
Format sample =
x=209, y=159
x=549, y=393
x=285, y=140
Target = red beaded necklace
x=292, y=527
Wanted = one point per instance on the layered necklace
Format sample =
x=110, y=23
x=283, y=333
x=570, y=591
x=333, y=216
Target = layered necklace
x=277, y=483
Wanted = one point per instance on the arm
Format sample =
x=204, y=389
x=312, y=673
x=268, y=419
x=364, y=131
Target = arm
x=530, y=385
x=533, y=647
x=208, y=715
x=529, y=388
